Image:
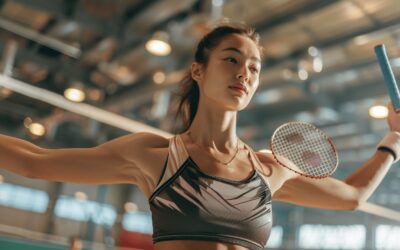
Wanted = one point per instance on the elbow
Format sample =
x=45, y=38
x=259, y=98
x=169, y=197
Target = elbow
x=354, y=205
x=358, y=201
x=356, y=197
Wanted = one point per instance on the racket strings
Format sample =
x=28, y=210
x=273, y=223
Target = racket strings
x=307, y=147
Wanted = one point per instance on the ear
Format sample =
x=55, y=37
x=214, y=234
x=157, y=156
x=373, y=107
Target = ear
x=197, y=71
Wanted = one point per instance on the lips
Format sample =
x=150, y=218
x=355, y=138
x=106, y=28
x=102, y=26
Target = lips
x=239, y=87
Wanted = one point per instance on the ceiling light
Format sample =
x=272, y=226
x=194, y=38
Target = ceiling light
x=301, y=70
x=378, y=111
x=37, y=129
x=303, y=74
x=317, y=64
x=313, y=51
x=80, y=196
x=75, y=93
x=159, y=44
x=130, y=207
x=27, y=122
x=159, y=77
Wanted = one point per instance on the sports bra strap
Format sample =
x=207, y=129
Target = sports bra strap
x=177, y=155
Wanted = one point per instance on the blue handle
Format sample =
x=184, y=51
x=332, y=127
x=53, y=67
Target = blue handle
x=390, y=81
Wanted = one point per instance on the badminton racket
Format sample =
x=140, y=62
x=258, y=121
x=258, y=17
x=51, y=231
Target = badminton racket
x=304, y=149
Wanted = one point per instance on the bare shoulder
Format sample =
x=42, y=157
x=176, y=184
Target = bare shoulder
x=146, y=152
x=133, y=147
x=138, y=140
x=276, y=174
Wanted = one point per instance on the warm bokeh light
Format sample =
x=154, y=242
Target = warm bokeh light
x=80, y=196
x=27, y=122
x=4, y=92
x=303, y=74
x=74, y=94
x=37, y=129
x=313, y=51
x=378, y=111
x=317, y=64
x=130, y=207
x=158, y=48
x=158, y=45
x=159, y=77
x=1, y=179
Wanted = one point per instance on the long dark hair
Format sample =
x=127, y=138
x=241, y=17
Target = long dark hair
x=189, y=93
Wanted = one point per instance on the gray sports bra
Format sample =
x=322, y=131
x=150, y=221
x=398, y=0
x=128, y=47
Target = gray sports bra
x=188, y=204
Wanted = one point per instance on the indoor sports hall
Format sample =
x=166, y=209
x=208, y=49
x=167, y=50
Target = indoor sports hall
x=77, y=74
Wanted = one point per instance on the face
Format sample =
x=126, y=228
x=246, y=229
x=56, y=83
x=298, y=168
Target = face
x=232, y=74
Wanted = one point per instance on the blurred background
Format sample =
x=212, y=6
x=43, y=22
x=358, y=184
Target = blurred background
x=127, y=57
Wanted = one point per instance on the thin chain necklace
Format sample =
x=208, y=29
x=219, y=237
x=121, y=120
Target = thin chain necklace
x=223, y=163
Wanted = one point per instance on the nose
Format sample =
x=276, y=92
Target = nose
x=243, y=75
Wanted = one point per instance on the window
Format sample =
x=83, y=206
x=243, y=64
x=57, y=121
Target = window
x=275, y=240
x=74, y=209
x=332, y=237
x=138, y=222
x=387, y=237
x=23, y=198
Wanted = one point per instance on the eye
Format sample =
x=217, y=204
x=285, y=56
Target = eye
x=254, y=70
x=231, y=60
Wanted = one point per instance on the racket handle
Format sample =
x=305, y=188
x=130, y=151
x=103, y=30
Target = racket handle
x=388, y=76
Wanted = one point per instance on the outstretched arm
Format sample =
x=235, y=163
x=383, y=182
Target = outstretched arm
x=330, y=193
x=116, y=161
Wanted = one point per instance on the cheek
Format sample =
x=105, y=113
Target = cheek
x=255, y=85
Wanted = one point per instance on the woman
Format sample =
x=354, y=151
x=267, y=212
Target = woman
x=207, y=189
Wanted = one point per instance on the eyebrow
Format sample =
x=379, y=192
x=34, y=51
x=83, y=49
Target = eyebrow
x=240, y=52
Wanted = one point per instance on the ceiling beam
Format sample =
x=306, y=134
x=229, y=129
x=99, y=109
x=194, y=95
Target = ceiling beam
x=83, y=109
x=292, y=15
x=334, y=41
x=60, y=9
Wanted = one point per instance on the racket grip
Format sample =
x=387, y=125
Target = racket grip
x=388, y=76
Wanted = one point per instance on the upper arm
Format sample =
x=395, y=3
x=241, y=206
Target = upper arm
x=288, y=186
x=116, y=161
x=327, y=193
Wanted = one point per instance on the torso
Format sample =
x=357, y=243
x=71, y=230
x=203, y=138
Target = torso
x=241, y=168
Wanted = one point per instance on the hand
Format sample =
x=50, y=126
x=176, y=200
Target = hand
x=393, y=118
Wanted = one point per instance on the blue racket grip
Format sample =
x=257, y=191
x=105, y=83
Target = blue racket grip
x=388, y=76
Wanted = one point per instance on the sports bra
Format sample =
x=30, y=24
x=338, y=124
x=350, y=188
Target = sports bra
x=188, y=204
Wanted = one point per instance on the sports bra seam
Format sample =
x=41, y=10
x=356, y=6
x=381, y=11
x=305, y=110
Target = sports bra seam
x=209, y=235
x=171, y=179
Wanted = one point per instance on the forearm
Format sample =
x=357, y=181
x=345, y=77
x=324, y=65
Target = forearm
x=14, y=154
x=368, y=177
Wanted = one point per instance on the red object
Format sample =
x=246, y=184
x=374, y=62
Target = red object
x=136, y=240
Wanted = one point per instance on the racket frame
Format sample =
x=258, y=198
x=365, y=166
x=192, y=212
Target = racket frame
x=323, y=135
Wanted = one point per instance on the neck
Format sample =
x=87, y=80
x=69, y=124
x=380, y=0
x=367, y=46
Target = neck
x=214, y=128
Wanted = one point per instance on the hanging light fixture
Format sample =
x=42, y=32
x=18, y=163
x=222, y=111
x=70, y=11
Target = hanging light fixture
x=159, y=44
x=37, y=129
x=75, y=93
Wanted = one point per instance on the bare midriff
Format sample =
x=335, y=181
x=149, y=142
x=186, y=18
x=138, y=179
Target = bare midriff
x=196, y=245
